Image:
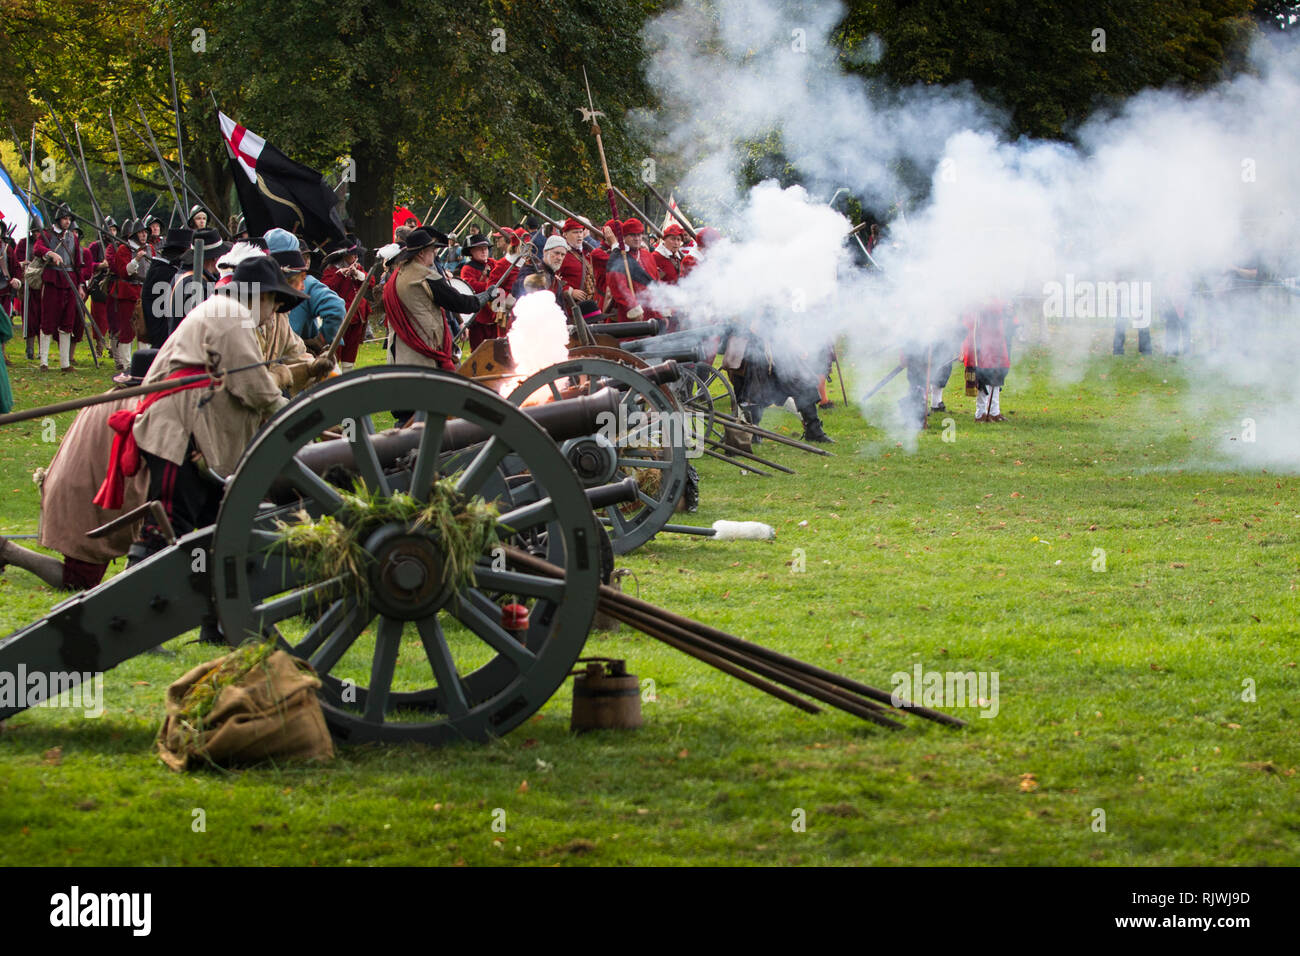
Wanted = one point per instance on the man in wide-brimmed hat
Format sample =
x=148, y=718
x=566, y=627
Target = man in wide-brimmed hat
x=344, y=277
x=191, y=437
x=188, y=288
x=163, y=266
x=414, y=299
x=481, y=273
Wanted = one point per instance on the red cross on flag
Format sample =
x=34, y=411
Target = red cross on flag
x=275, y=191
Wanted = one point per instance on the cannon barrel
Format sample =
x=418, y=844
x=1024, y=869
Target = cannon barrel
x=674, y=354
x=672, y=343
x=628, y=330
x=562, y=420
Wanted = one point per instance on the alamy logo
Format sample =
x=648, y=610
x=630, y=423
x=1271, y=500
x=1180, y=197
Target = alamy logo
x=947, y=689
x=23, y=689
x=75, y=908
x=1083, y=299
x=631, y=429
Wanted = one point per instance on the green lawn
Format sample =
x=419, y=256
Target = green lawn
x=1120, y=690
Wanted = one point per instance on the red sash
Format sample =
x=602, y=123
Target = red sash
x=124, y=459
x=401, y=324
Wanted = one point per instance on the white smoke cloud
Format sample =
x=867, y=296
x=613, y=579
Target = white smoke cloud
x=1169, y=192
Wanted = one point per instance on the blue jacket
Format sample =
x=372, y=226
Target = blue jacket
x=322, y=302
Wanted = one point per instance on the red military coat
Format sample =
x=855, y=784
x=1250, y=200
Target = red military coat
x=988, y=336
x=669, y=266
x=45, y=242
x=124, y=288
x=622, y=298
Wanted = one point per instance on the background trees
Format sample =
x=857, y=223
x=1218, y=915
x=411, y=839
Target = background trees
x=422, y=95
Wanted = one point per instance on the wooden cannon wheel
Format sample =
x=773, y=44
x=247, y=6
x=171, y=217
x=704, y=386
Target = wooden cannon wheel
x=650, y=436
x=406, y=655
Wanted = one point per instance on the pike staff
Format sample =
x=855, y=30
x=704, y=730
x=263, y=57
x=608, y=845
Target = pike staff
x=126, y=182
x=176, y=108
x=590, y=113
x=681, y=220
x=161, y=166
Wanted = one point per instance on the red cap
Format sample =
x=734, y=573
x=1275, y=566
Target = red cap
x=633, y=227
x=674, y=229
x=706, y=236
x=571, y=223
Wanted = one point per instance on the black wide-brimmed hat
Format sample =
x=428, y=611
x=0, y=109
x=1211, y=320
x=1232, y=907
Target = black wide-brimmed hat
x=141, y=359
x=177, y=241
x=418, y=239
x=337, y=249
x=262, y=275
x=213, y=245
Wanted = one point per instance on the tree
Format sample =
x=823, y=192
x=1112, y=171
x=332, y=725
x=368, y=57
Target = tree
x=1048, y=64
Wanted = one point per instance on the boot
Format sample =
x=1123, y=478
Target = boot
x=691, y=495
x=813, y=431
x=31, y=347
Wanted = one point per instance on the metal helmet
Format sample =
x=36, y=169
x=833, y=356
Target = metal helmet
x=62, y=210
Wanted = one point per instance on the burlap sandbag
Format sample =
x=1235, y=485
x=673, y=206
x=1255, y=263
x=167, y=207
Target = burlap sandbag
x=271, y=712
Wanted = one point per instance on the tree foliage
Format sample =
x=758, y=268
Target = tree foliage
x=1044, y=61
x=419, y=95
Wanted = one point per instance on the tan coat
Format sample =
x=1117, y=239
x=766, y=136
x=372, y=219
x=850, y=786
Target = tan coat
x=417, y=298
x=222, y=421
x=73, y=479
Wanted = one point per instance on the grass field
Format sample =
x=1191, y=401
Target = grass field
x=1124, y=677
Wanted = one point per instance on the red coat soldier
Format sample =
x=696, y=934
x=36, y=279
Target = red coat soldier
x=129, y=261
x=344, y=276
x=61, y=250
x=480, y=273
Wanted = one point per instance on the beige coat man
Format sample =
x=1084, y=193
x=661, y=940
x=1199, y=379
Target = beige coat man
x=222, y=421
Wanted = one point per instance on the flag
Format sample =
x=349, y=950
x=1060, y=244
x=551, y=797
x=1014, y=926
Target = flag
x=669, y=218
x=14, y=209
x=276, y=191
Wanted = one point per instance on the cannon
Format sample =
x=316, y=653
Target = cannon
x=474, y=674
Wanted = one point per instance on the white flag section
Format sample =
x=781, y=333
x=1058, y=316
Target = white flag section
x=13, y=207
x=243, y=145
x=669, y=218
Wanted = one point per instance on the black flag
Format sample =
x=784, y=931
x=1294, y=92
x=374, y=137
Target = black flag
x=276, y=191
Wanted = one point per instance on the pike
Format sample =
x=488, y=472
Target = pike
x=126, y=182
x=430, y=222
x=591, y=114
x=681, y=220
x=82, y=174
x=637, y=209
x=99, y=212
x=31, y=183
x=158, y=153
x=573, y=215
x=176, y=108
x=480, y=213
x=534, y=210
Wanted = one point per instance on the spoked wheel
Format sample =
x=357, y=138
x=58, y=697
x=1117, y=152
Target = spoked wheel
x=647, y=439
x=705, y=391
x=406, y=651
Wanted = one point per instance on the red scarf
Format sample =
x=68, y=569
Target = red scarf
x=124, y=459
x=401, y=324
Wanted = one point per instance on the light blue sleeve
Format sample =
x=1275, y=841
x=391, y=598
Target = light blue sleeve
x=327, y=304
